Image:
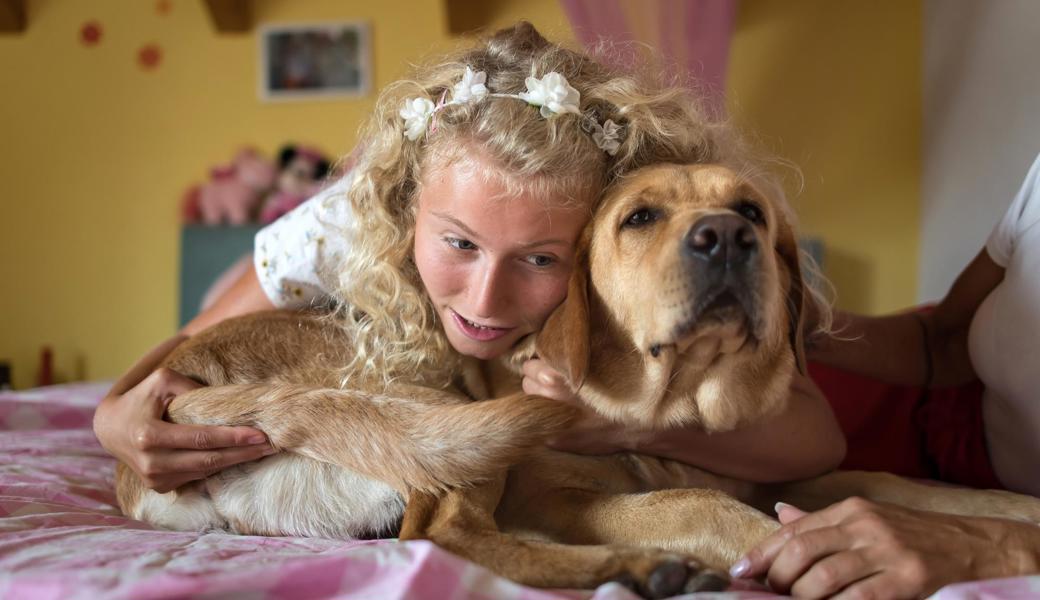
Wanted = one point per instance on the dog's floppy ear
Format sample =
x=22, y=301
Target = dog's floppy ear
x=564, y=339
x=797, y=300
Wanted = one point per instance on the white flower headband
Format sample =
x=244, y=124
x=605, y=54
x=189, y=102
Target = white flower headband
x=551, y=93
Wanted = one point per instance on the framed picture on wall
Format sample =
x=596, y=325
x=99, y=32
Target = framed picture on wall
x=310, y=61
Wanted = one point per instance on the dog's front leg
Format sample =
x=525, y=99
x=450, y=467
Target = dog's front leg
x=709, y=525
x=820, y=492
x=410, y=438
x=462, y=521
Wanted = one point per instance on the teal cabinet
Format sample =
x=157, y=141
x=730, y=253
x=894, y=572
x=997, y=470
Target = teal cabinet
x=206, y=252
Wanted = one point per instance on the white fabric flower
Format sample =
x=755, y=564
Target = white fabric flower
x=552, y=93
x=416, y=114
x=606, y=136
x=471, y=88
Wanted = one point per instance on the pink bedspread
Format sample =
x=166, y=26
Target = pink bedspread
x=62, y=536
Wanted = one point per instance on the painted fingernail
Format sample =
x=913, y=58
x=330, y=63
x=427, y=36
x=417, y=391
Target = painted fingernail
x=258, y=438
x=740, y=568
x=780, y=506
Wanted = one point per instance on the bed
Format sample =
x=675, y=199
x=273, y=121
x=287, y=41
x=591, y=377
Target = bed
x=62, y=536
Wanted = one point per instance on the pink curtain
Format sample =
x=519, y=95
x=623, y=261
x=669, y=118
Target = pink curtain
x=689, y=34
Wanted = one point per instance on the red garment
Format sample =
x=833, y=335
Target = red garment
x=938, y=435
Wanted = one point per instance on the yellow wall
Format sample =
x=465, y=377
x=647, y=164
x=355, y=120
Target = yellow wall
x=96, y=152
x=835, y=87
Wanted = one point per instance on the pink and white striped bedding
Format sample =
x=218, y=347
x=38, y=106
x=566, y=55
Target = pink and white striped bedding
x=62, y=536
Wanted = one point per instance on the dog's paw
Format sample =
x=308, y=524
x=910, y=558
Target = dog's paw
x=706, y=581
x=666, y=580
x=649, y=573
x=664, y=575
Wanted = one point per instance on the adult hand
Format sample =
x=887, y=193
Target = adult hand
x=590, y=433
x=859, y=549
x=129, y=424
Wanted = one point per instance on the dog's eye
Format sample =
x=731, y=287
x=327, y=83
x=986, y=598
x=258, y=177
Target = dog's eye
x=643, y=216
x=750, y=211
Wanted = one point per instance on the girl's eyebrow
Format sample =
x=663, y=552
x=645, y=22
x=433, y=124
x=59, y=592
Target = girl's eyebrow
x=476, y=236
x=549, y=242
x=455, y=222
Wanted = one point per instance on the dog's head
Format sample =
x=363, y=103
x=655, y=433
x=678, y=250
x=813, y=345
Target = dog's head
x=686, y=304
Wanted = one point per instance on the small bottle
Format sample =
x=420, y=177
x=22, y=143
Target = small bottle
x=5, y=376
x=45, y=376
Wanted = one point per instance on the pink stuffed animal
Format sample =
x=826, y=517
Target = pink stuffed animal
x=233, y=194
x=300, y=177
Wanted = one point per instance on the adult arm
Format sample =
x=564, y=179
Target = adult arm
x=857, y=548
x=898, y=348
x=761, y=452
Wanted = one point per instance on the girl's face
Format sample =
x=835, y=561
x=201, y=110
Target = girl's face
x=494, y=265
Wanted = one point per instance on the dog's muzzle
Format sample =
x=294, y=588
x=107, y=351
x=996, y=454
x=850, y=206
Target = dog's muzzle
x=722, y=243
x=720, y=264
x=723, y=257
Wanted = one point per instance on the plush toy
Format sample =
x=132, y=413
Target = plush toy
x=300, y=176
x=234, y=192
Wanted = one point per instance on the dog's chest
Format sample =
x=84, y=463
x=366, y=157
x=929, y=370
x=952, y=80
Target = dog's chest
x=291, y=495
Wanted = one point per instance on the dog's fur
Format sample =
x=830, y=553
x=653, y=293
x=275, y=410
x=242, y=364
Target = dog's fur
x=685, y=308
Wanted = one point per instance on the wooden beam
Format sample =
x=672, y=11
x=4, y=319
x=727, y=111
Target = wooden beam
x=230, y=16
x=12, y=16
x=470, y=16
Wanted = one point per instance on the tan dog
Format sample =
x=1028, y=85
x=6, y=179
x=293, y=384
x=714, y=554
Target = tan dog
x=689, y=313
x=686, y=308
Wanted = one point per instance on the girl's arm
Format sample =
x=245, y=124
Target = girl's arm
x=129, y=420
x=243, y=297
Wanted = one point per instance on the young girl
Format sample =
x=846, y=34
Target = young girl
x=454, y=236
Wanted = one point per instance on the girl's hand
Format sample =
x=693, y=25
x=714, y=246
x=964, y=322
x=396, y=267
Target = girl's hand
x=591, y=433
x=129, y=424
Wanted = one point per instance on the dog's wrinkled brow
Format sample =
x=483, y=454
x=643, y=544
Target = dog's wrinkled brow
x=655, y=194
x=746, y=190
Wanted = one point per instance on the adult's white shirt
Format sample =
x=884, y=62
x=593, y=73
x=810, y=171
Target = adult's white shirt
x=1004, y=343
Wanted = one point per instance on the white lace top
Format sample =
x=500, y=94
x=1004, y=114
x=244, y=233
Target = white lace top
x=296, y=257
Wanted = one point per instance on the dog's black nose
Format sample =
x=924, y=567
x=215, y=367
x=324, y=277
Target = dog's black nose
x=726, y=239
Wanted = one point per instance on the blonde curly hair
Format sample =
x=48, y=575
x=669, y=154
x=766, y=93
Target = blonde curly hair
x=383, y=305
